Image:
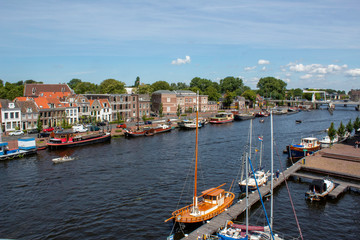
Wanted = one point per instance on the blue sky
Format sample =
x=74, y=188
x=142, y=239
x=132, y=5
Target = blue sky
x=307, y=44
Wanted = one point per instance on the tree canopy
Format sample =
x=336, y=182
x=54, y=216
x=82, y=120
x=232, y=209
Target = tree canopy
x=231, y=84
x=272, y=87
x=160, y=85
x=112, y=86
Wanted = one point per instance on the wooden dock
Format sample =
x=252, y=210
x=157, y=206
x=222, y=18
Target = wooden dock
x=234, y=211
x=341, y=160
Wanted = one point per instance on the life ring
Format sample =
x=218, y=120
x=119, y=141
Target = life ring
x=310, y=145
x=230, y=223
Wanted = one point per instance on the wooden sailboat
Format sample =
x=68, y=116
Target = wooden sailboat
x=209, y=204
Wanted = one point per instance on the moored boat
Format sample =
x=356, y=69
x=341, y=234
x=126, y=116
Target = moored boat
x=319, y=189
x=243, y=116
x=26, y=146
x=189, y=124
x=224, y=117
x=62, y=140
x=325, y=141
x=307, y=146
x=209, y=204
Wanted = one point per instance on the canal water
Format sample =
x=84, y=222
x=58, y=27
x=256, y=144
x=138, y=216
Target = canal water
x=125, y=189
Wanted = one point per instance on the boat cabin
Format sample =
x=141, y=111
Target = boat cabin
x=318, y=186
x=212, y=199
x=309, y=142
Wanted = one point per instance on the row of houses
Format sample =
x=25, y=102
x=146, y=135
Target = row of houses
x=56, y=104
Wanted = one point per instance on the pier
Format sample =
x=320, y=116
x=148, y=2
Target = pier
x=341, y=160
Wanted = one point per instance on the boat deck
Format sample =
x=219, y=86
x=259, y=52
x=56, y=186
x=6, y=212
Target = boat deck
x=239, y=207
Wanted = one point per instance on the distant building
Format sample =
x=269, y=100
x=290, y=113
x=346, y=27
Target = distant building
x=165, y=99
x=355, y=95
x=29, y=114
x=100, y=109
x=34, y=89
x=144, y=105
x=10, y=115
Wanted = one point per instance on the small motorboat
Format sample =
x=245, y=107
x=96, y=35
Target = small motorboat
x=261, y=120
x=298, y=121
x=63, y=159
x=319, y=189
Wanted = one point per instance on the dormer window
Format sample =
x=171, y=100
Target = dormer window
x=11, y=105
x=33, y=90
x=29, y=110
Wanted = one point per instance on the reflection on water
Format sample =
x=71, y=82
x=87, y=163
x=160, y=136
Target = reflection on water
x=125, y=189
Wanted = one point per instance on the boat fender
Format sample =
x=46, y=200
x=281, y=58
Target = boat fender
x=230, y=223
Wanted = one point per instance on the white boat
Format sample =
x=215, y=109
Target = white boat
x=189, y=124
x=247, y=232
x=319, y=189
x=62, y=159
x=325, y=141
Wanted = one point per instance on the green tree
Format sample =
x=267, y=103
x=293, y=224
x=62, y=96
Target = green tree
x=144, y=89
x=331, y=132
x=178, y=111
x=85, y=87
x=137, y=82
x=228, y=99
x=73, y=83
x=231, y=84
x=341, y=130
x=39, y=125
x=250, y=95
x=349, y=127
x=271, y=87
x=357, y=124
x=112, y=86
x=160, y=85
x=203, y=84
x=213, y=94
x=161, y=110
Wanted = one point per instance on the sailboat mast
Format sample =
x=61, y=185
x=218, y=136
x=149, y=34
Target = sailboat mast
x=261, y=148
x=272, y=172
x=247, y=182
x=196, y=151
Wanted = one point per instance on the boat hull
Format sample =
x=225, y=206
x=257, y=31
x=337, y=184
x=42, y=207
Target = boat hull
x=183, y=215
x=300, y=152
x=18, y=154
x=100, y=139
x=221, y=121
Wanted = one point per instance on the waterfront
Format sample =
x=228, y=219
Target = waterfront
x=127, y=188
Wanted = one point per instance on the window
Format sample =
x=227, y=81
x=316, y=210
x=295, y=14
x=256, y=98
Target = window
x=6, y=115
x=12, y=115
x=133, y=105
x=133, y=99
x=16, y=115
x=33, y=90
x=168, y=109
x=168, y=99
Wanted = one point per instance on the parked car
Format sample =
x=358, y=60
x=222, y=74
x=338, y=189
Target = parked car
x=16, y=133
x=32, y=131
x=148, y=122
x=121, y=125
x=139, y=123
x=79, y=128
x=49, y=129
x=92, y=127
x=101, y=123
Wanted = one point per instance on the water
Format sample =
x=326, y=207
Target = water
x=127, y=188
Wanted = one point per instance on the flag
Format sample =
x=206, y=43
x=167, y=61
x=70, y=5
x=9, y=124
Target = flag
x=260, y=138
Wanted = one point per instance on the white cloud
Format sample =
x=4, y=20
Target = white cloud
x=306, y=76
x=353, y=72
x=249, y=68
x=316, y=68
x=262, y=62
x=180, y=61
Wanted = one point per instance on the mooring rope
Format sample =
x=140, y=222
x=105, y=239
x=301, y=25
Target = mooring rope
x=291, y=201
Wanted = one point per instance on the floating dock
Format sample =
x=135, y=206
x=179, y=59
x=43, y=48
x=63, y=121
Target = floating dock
x=341, y=160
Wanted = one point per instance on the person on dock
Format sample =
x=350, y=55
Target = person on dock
x=277, y=174
x=357, y=144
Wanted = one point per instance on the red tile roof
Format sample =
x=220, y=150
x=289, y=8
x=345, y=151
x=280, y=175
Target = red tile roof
x=34, y=89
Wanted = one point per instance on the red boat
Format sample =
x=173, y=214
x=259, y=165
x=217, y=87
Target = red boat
x=72, y=139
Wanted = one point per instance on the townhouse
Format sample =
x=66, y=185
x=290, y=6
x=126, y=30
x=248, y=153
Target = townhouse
x=10, y=115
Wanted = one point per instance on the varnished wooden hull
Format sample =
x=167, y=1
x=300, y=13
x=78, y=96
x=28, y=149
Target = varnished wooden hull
x=183, y=215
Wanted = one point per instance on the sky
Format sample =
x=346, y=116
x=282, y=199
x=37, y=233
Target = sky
x=307, y=43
